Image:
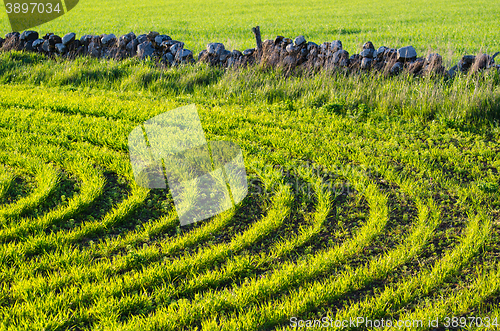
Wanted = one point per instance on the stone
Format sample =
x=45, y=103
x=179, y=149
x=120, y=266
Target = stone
x=248, y=52
x=28, y=46
x=482, y=62
x=152, y=35
x=29, y=36
x=12, y=35
x=278, y=39
x=215, y=49
x=291, y=49
x=237, y=53
x=367, y=53
x=168, y=57
x=381, y=50
x=267, y=43
x=299, y=40
x=94, y=49
x=145, y=50
x=341, y=57
x=406, y=54
x=61, y=48
x=38, y=43
x=311, y=45
x=46, y=46
x=323, y=48
x=368, y=45
x=287, y=41
x=225, y=55
x=125, y=39
x=86, y=39
x=142, y=38
x=185, y=54
x=55, y=39
x=69, y=38
x=109, y=40
x=366, y=63
x=355, y=58
x=336, y=46
x=434, y=59
x=161, y=38
x=396, y=68
x=176, y=47
x=466, y=62
x=390, y=54
x=132, y=45
x=1, y=41
x=74, y=45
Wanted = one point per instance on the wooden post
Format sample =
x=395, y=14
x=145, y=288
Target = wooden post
x=256, y=32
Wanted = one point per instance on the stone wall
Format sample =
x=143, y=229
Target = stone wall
x=281, y=51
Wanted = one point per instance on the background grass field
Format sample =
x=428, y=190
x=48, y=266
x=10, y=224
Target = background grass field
x=370, y=196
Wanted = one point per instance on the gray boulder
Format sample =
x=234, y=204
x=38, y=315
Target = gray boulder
x=366, y=63
x=466, y=62
x=161, y=38
x=248, y=52
x=367, y=53
x=434, y=59
x=55, y=39
x=368, y=45
x=142, y=38
x=215, y=49
x=396, y=68
x=109, y=40
x=175, y=48
x=336, y=45
x=152, y=35
x=168, y=58
x=185, y=54
x=69, y=38
x=145, y=50
x=341, y=57
x=225, y=55
x=299, y=40
x=291, y=49
x=94, y=49
x=28, y=46
x=28, y=36
x=37, y=43
x=406, y=54
x=12, y=35
x=278, y=39
x=61, y=48
x=311, y=45
x=86, y=39
x=46, y=46
x=132, y=47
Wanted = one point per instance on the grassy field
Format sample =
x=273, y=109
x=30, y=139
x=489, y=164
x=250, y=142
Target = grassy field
x=452, y=28
x=369, y=197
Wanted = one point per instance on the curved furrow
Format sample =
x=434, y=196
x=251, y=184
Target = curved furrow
x=184, y=312
x=187, y=264
x=323, y=292
x=234, y=267
x=46, y=178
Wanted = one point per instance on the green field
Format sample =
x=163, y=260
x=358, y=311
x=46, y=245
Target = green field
x=369, y=196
